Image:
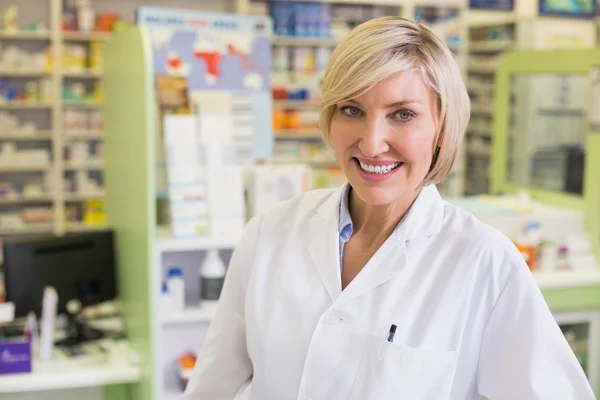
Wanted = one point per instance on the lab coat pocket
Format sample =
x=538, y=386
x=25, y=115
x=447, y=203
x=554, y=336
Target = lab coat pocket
x=393, y=371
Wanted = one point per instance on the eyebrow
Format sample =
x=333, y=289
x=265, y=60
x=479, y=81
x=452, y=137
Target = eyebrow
x=396, y=104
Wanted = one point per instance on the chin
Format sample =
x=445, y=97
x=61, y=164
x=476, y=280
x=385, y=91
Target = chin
x=378, y=195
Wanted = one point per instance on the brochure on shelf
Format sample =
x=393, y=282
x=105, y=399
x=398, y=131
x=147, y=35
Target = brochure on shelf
x=205, y=186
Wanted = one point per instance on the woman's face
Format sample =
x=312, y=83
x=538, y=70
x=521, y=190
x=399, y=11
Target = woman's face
x=384, y=139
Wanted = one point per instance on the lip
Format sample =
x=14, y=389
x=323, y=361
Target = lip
x=375, y=177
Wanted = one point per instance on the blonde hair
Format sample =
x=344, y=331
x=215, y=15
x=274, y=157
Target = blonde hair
x=383, y=47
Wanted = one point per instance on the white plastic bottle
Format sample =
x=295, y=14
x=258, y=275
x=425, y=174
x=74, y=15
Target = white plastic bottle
x=212, y=276
x=176, y=288
x=166, y=301
x=49, y=304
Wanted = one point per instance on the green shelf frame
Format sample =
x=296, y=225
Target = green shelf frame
x=563, y=62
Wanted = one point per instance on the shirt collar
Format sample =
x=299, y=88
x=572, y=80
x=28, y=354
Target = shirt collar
x=345, y=225
x=423, y=218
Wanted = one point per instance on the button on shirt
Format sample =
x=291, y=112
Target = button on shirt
x=345, y=225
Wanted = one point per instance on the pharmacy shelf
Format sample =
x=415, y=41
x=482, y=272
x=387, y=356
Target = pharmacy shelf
x=390, y=3
x=296, y=104
x=82, y=104
x=76, y=197
x=488, y=18
x=477, y=109
x=26, y=200
x=86, y=36
x=40, y=135
x=25, y=106
x=480, y=89
x=82, y=74
x=82, y=227
x=304, y=41
x=31, y=229
x=298, y=137
x=24, y=73
x=96, y=165
x=311, y=162
x=83, y=135
x=165, y=242
x=25, y=168
x=482, y=69
x=490, y=46
x=479, y=132
x=291, y=134
x=25, y=35
x=568, y=279
x=479, y=153
x=189, y=315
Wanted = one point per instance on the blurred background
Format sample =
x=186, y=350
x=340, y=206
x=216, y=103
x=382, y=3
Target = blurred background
x=137, y=138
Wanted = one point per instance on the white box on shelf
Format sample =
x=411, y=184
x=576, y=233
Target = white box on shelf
x=272, y=184
x=7, y=312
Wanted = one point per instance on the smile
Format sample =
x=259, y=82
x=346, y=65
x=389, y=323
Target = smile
x=378, y=169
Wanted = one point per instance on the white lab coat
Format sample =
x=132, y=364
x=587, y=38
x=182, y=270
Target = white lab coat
x=470, y=319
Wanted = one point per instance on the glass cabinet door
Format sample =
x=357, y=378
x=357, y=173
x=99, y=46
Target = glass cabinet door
x=547, y=131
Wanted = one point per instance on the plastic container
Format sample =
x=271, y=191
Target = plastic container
x=49, y=304
x=212, y=276
x=166, y=301
x=548, y=257
x=176, y=288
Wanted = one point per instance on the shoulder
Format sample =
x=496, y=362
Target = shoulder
x=487, y=251
x=299, y=208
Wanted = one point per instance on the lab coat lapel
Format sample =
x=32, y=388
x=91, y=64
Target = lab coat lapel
x=386, y=263
x=423, y=219
x=324, y=248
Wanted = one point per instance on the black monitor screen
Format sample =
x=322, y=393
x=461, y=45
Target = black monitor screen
x=79, y=266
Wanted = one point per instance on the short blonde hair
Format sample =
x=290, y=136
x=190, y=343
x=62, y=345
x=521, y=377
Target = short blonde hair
x=383, y=47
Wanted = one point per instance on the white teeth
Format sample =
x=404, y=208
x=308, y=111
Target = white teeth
x=378, y=169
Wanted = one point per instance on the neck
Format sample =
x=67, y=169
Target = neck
x=379, y=221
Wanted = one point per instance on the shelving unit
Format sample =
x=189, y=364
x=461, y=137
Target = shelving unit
x=25, y=35
x=189, y=315
x=489, y=37
x=50, y=116
x=491, y=34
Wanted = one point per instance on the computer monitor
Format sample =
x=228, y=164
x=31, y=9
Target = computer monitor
x=79, y=266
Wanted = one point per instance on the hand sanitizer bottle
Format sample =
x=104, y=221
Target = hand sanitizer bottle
x=212, y=276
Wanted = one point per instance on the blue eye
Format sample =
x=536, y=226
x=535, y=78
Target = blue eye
x=404, y=115
x=351, y=111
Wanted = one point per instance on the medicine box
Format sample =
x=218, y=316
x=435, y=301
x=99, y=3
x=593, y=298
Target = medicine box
x=15, y=357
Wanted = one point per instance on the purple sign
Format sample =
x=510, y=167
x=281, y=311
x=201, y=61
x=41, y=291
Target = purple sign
x=15, y=357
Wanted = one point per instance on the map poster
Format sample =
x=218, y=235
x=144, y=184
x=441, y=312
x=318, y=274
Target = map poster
x=221, y=53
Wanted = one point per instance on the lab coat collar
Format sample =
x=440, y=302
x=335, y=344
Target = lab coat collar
x=324, y=248
x=424, y=218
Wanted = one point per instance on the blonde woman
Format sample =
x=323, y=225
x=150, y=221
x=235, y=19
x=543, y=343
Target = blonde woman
x=380, y=289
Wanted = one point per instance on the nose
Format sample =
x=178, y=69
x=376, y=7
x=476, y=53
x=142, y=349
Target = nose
x=374, y=140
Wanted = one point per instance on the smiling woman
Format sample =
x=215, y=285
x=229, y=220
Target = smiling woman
x=380, y=289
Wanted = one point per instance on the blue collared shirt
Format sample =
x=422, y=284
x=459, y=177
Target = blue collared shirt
x=345, y=227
